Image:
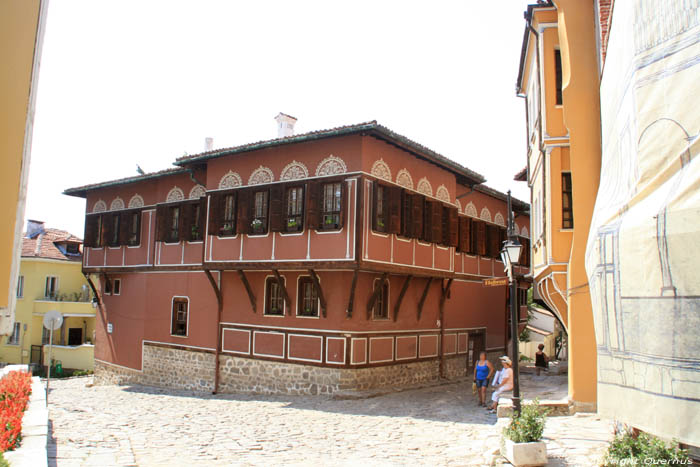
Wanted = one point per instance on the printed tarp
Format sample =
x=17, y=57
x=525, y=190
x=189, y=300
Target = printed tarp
x=643, y=254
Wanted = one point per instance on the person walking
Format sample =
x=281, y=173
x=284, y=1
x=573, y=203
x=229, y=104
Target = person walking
x=541, y=359
x=505, y=385
x=482, y=373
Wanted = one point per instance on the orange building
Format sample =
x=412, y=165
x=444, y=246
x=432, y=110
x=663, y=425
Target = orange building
x=559, y=80
x=341, y=259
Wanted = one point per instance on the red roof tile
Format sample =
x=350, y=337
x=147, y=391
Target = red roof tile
x=48, y=244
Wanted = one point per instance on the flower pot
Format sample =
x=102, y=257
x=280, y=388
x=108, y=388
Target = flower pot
x=525, y=454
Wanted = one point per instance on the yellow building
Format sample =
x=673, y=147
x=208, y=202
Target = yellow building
x=559, y=79
x=50, y=278
x=21, y=31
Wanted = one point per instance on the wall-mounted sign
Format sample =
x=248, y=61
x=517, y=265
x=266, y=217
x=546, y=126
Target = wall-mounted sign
x=109, y=328
x=495, y=282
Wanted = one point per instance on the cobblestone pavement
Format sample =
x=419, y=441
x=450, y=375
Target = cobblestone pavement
x=438, y=425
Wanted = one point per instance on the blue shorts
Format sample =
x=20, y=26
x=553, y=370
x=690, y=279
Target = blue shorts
x=482, y=383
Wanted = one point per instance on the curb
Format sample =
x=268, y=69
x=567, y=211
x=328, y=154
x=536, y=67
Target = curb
x=35, y=426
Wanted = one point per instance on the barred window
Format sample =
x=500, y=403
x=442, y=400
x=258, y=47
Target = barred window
x=331, y=205
x=295, y=209
x=274, y=299
x=308, y=298
x=179, y=317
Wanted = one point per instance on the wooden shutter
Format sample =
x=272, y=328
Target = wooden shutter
x=427, y=233
x=277, y=207
x=472, y=236
x=344, y=203
x=107, y=226
x=375, y=190
x=493, y=235
x=417, y=206
x=481, y=248
x=90, y=239
x=313, y=204
x=436, y=226
x=453, y=222
x=216, y=212
x=394, y=209
x=161, y=223
x=463, y=244
x=405, y=214
x=202, y=215
x=124, y=226
x=244, y=208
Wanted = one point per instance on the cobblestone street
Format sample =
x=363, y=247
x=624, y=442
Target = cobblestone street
x=439, y=425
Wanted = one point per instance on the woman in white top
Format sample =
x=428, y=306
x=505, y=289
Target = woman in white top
x=505, y=385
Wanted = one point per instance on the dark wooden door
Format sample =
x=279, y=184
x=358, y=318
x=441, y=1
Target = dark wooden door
x=476, y=344
x=75, y=336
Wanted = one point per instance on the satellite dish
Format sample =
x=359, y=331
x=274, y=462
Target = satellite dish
x=53, y=320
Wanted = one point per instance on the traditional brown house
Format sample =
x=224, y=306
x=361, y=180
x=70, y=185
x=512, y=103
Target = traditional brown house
x=341, y=259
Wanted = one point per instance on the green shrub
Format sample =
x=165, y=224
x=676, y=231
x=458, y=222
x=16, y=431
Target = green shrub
x=3, y=461
x=527, y=427
x=643, y=449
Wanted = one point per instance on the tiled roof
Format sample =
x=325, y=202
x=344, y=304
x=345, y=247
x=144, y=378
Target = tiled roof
x=371, y=127
x=45, y=245
x=81, y=190
x=521, y=176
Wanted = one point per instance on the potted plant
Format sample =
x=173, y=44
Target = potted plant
x=256, y=225
x=195, y=233
x=292, y=225
x=522, y=437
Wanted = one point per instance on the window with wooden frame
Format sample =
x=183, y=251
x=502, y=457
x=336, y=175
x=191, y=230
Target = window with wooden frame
x=169, y=225
x=450, y=226
x=294, y=218
x=493, y=236
x=258, y=224
x=331, y=206
x=567, y=208
x=274, y=299
x=465, y=234
x=179, y=317
x=108, y=287
x=381, y=305
x=51, y=287
x=479, y=239
x=73, y=248
x=222, y=214
x=307, y=298
x=558, y=77
x=411, y=223
x=20, y=287
x=432, y=221
x=116, y=286
x=134, y=228
x=93, y=231
x=380, y=208
x=113, y=229
x=193, y=218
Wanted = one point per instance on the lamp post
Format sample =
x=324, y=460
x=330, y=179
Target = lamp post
x=510, y=255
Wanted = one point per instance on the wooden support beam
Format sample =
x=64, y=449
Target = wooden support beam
x=280, y=282
x=375, y=295
x=107, y=280
x=220, y=309
x=423, y=297
x=246, y=284
x=351, y=300
x=397, y=307
x=94, y=289
x=317, y=285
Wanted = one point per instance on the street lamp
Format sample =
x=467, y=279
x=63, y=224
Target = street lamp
x=510, y=255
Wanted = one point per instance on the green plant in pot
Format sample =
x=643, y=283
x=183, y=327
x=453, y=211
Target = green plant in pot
x=522, y=437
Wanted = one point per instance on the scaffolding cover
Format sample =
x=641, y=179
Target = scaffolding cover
x=643, y=252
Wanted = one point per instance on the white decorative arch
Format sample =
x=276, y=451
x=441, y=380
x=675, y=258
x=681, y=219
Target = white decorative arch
x=524, y=233
x=331, y=165
x=100, y=206
x=470, y=210
x=197, y=192
x=425, y=187
x=404, y=179
x=136, y=201
x=175, y=194
x=294, y=171
x=459, y=205
x=117, y=203
x=516, y=229
x=498, y=219
x=381, y=170
x=443, y=194
x=485, y=215
x=261, y=175
x=230, y=180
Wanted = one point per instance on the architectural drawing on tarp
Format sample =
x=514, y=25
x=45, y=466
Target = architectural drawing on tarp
x=643, y=248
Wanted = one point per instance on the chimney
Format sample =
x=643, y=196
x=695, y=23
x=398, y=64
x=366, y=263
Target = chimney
x=285, y=125
x=208, y=143
x=34, y=228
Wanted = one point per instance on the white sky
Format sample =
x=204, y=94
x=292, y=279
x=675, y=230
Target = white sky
x=142, y=82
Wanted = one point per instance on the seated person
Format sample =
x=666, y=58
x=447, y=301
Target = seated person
x=506, y=383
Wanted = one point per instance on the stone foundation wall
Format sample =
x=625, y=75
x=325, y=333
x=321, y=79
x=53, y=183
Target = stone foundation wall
x=194, y=370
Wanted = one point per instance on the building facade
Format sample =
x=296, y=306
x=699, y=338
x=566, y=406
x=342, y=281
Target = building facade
x=343, y=259
x=51, y=278
x=21, y=36
x=558, y=78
